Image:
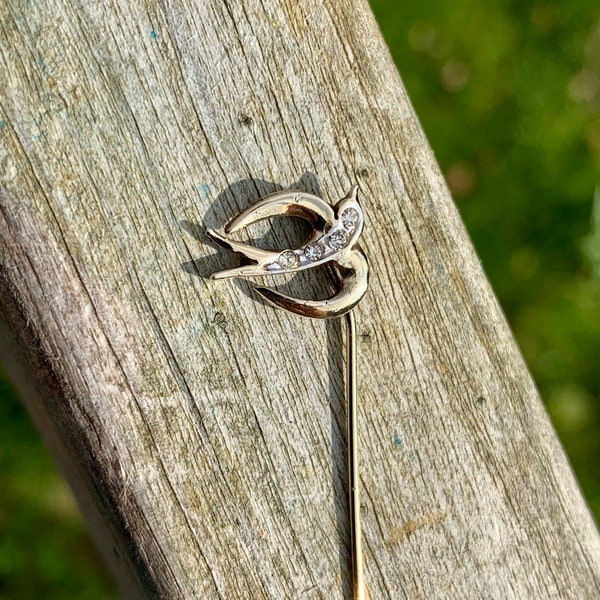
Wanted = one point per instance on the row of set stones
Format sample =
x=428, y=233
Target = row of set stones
x=314, y=251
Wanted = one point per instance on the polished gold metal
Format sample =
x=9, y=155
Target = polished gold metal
x=359, y=589
x=334, y=243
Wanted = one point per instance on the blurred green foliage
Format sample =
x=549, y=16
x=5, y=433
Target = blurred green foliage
x=45, y=551
x=509, y=96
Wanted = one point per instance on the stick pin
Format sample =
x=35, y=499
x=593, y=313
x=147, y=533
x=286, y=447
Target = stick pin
x=333, y=242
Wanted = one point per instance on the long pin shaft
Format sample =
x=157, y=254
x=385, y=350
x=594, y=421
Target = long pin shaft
x=359, y=591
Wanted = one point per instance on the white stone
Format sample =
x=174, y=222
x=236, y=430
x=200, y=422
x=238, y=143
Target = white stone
x=350, y=218
x=287, y=259
x=338, y=239
x=313, y=252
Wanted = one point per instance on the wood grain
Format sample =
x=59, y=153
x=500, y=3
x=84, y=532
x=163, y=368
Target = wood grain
x=202, y=431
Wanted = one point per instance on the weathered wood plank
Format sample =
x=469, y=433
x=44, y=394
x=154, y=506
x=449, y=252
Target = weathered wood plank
x=202, y=432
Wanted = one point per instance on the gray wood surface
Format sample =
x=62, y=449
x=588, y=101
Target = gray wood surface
x=202, y=431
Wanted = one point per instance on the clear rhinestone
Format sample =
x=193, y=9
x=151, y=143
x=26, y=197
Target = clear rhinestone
x=350, y=218
x=287, y=260
x=338, y=239
x=313, y=252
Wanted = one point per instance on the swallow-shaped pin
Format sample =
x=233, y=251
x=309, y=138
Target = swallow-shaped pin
x=333, y=241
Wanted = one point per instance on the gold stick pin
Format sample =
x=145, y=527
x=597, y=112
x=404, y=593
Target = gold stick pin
x=334, y=243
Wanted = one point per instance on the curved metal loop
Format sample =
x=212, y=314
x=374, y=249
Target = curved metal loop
x=336, y=230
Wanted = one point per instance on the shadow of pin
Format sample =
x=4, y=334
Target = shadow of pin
x=339, y=462
x=284, y=233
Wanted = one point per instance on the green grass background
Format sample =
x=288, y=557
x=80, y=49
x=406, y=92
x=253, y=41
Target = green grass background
x=509, y=96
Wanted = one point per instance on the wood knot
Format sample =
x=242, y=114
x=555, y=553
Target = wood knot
x=245, y=120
